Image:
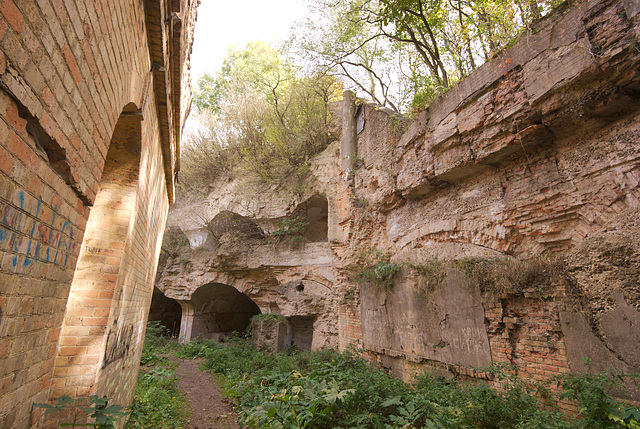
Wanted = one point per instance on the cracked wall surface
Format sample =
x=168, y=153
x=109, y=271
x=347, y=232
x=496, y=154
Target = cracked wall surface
x=535, y=156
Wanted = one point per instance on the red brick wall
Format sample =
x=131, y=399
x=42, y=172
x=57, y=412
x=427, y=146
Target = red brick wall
x=67, y=70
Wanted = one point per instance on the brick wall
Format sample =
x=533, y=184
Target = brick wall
x=68, y=69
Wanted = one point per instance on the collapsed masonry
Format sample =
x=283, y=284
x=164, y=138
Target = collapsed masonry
x=537, y=151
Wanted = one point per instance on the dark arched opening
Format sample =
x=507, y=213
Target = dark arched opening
x=166, y=311
x=220, y=310
x=315, y=211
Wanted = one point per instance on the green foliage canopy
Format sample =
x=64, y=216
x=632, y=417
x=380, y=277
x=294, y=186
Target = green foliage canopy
x=402, y=53
x=262, y=120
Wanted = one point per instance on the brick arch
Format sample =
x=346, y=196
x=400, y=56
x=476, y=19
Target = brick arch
x=488, y=239
x=216, y=310
x=102, y=327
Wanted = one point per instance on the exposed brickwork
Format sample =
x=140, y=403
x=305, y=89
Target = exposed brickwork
x=67, y=71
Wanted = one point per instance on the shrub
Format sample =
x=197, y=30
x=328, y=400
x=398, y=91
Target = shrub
x=374, y=267
x=326, y=389
x=291, y=229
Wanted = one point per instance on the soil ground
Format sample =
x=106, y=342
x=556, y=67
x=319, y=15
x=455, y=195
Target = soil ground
x=209, y=410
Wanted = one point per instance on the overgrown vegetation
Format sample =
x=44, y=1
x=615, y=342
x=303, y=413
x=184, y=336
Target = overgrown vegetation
x=498, y=276
x=374, y=267
x=262, y=120
x=402, y=54
x=174, y=244
x=491, y=275
x=291, y=229
x=157, y=402
x=326, y=389
x=330, y=390
x=94, y=409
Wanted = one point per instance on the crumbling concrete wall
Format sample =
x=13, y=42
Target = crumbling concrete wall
x=535, y=152
x=281, y=279
x=92, y=101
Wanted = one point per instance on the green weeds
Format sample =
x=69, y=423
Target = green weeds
x=96, y=408
x=291, y=229
x=157, y=402
x=374, y=267
x=330, y=390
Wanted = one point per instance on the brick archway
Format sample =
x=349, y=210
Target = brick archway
x=102, y=326
x=216, y=310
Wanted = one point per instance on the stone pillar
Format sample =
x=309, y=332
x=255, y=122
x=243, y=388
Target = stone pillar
x=348, y=146
x=186, y=323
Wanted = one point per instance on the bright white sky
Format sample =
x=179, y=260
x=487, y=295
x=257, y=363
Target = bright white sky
x=237, y=22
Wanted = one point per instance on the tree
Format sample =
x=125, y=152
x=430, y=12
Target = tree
x=262, y=121
x=384, y=47
x=258, y=67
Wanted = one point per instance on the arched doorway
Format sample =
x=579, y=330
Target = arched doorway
x=220, y=310
x=166, y=311
x=104, y=320
x=315, y=211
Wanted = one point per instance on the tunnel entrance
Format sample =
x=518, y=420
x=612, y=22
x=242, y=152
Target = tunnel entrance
x=166, y=311
x=220, y=310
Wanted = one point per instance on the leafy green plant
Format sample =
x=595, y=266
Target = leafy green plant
x=291, y=229
x=157, y=402
x=596, y=407
x=380, y=274
x=104, y=416
x=330, y=390
x=185, y=261
x=156, y=343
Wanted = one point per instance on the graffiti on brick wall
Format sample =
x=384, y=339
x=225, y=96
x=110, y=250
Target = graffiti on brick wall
x=42, y=242
x=118, y=344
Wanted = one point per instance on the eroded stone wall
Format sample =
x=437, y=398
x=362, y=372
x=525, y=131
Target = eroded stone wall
x=78, y=248
x=536, y=152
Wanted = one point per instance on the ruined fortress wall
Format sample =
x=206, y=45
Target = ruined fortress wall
x=91, y=105
x=537, y=151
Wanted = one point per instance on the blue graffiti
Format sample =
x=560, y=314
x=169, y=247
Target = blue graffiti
x=61, y=242
x=27, y=260
x=14, y=262
x=67, y=243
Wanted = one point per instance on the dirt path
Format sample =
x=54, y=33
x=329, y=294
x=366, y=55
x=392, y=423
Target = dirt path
x=208, y=409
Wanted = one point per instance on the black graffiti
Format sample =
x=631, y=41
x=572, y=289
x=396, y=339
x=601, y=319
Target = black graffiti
x=118, y=345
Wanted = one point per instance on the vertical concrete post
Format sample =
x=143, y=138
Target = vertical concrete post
x=348, y=145
x=186, y=323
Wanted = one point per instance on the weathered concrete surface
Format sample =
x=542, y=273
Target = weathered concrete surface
x=292, y=282
x=445, y=324
x=270, y=335
x=535, y=152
